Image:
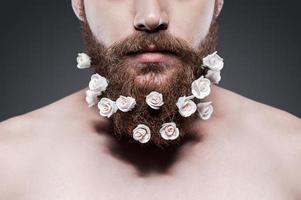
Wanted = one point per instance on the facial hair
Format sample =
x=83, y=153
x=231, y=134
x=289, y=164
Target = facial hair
x=172, y=80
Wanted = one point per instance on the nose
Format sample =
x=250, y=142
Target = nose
x=150, y=16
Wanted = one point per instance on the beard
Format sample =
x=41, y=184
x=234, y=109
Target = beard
x=128, y=78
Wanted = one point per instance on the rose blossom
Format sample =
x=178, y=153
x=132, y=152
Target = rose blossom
x=205, y=110
x=125, y=104
x=154, y=100
x=214, y=62
x=83, y=61
x=142, y=133
x=200, y=88
x=107, y=107
x=186, y=106
x=98, y=83
x=91, y=97
x=169, y=131
x=213, y=76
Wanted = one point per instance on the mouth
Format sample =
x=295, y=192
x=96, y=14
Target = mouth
x=152, y=55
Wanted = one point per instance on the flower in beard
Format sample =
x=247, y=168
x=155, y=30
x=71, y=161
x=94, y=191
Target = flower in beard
x=154, y=100
x=91, y=97
x=98, y=83
x=142, y=133
x=107, y=107
x=214, y=62
x=125, y=104
x=213, y=76
x=169, y=131
x=186, y=106
x=200, y=88
x=83, y=61
x=205, y=110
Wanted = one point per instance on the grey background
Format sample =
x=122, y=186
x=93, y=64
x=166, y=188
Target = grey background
x=259, y=40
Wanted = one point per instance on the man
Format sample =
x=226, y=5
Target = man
x=66, y=150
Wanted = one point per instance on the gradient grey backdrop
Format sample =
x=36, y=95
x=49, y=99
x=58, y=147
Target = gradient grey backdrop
x=259, y=40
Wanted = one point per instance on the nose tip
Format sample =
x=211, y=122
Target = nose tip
x=151, y=22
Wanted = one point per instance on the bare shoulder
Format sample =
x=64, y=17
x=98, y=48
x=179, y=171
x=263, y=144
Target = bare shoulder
x=281, y=129
x=58, y=109
x=264, y=115
x=17, y=134
x=23, y=137
x=280, y=132
x=271, y=118
x=30, y=124
x=271, y=121
x=15, y=153
x=266, y=121
x=277, y=130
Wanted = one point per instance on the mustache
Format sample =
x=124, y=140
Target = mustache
x=164, y=42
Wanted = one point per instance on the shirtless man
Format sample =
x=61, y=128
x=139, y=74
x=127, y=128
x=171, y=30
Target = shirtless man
x=65, y=150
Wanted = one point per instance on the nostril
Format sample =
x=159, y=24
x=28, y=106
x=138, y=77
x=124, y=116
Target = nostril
x=140, y=26
x=162, y=26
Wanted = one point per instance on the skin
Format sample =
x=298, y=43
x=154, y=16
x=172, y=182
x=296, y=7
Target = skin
x=119, y=19
x=65, y=150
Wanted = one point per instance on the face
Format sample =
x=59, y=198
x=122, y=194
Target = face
x=144, y=46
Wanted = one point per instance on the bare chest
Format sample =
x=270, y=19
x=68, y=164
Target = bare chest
x=66, y=179
x=81, y=170
x=209, y=186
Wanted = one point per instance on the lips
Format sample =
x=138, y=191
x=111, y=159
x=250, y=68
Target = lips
x=152, y=55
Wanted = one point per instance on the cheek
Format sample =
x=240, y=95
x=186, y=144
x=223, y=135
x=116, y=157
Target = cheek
x=191, y=20
x=110, y=21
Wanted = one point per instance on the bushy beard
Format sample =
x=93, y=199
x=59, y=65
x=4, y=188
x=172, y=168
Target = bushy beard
x=139, y=79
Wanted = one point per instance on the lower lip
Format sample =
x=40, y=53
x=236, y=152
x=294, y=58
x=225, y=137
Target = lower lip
x=152, y=57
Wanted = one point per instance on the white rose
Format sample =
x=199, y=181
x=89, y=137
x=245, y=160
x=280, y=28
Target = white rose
x=205, y=110
x=186, y=106
x=83, y=61
x=91, y=97
x=169, y=131
x=200, y=88
x=98, y=83
x=142, y=133
x=107, y=107
x=125, y=104
x=214, y=62
x=154, y=100
x=214, y=76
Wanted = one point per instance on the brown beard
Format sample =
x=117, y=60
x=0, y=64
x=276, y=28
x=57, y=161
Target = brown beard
x=122, y=75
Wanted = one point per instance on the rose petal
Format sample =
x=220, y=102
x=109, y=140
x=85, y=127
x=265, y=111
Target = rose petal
x=205, y=110
x=154, y=100
x=83, y=61
x=165, y=131
x=107, y=107
x=186, y=106
x=200, y=88
x=145, y=136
